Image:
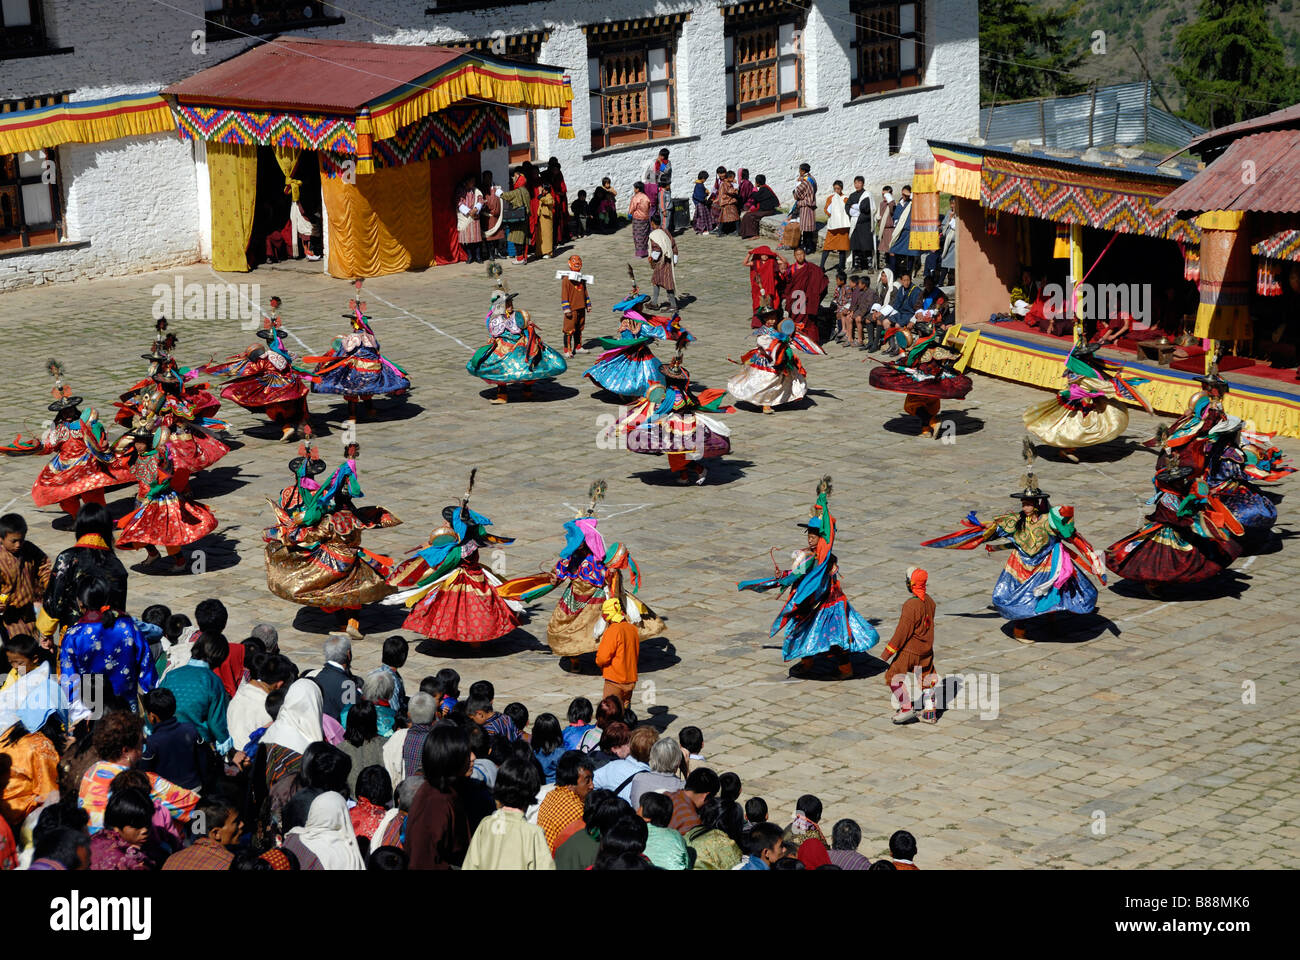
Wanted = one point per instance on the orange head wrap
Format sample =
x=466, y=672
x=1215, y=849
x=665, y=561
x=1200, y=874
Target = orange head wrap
x=917, y=579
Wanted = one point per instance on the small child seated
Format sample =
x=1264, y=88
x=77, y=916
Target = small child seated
x=393, y=659
x=579, y=210
x=580, y=714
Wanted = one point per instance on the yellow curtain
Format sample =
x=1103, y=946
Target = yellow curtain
x=381, y=224
x=285, y=158
x=232, y=175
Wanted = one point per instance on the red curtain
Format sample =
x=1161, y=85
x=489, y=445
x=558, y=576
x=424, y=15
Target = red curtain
x=445, y=176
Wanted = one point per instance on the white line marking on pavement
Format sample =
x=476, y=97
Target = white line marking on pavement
x=1244, y=566
x=371, y=293
x=258, y=308
x=1146, y=613
x=6, y=506
x=631, y=508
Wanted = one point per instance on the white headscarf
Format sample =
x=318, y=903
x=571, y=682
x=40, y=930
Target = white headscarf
x=298, y=724
x=328, y=833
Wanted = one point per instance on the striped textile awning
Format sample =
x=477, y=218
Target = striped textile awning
x=1283, y=245
x=957, y=172
x=87, y=121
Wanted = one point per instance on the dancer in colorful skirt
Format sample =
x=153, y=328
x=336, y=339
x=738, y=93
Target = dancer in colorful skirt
x=925, y=373
x=355, y=367
x=591, y=573
x=1226, y=463
x=667, y=420
x=1045, y=574
x=164, y=515
x=1190, y=536
x=630, y=365
x=911, y=649
x=773, y=375
x=575, y=303
x=817, y=618
x=1204, y=410
x=194, y=445
x=162, y=359
x=1081, y=415
x=83, y=464
x=266, y=380
x=452, y=596
x=514, y=352
x=314, y=555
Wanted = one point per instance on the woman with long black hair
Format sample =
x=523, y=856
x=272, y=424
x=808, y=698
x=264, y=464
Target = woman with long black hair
x=104, y=641
x=91, y=557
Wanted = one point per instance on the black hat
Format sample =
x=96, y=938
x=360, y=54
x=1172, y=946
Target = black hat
x=142, y=433
x=64, y=404
x=268, y=333
x=155, y=355
x=449, y=513
x=314, y=466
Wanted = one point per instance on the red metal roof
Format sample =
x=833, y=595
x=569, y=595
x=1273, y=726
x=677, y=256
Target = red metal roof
x=312, y=76
x=1284, y=118
x=1259, y=172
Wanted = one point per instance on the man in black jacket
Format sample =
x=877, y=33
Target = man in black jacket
x=862, y=242
x=337, y=684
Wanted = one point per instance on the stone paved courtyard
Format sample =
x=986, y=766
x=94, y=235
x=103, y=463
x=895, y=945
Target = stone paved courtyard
x=1123, y=743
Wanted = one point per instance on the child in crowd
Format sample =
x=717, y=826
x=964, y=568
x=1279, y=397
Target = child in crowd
x=755, y=812
x=578, y=225
x=547, y=742
x=902, y=850
x=518, y=715
x=692, y=741
x=580, y=713
x=665, y=847
x=119, y=846
x=479, y=708
x=393, y=659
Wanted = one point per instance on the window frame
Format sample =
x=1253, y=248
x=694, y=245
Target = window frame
x=740, y=26
x=605, y=135
x=864, y=40
x=28, y=38
x=230, y=24
x=50, y=231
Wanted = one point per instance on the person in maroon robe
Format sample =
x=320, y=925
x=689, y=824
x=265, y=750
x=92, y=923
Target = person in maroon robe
x=765, y=267
x=803, y=286
x=560, y=189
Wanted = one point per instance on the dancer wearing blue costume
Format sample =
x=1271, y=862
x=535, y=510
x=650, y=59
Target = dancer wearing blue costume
x=817, y=618
x=1045, y=573
x=354, y=366
x=630, y=366
x=514, y=352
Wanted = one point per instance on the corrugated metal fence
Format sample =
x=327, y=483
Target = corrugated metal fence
x=1105, y=116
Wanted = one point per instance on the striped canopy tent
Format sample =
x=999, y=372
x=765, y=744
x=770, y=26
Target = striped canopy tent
x=88, y=121
x=379, y=116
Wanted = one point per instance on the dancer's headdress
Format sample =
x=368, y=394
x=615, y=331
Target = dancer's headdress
x=62, y=393
x=1029, y=489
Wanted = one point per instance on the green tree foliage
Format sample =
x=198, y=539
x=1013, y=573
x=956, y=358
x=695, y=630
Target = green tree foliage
x=1024, y=52
x=1232, y=64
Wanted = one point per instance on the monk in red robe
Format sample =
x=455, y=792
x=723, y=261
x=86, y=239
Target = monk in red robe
x=803, y=287
x=763, y=263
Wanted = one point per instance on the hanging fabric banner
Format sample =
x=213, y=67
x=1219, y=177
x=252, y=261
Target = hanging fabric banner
x=232, y=176
x=566, y=112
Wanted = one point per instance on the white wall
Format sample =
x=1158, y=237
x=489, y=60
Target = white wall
x=137, y=45
x=135, y=201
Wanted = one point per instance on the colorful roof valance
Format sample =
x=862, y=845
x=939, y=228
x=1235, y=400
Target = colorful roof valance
x=957, y=172
x=297, y=90
x=1283, y=245
x=1105, y=201
x=86, y=121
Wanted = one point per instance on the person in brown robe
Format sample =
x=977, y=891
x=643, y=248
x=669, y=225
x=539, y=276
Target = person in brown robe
x=663, y=254
x=545, y=236
x=912, y=650
x=575, y=301
x=727, y=205
x=802, y=289
x=494, y=228
x=24, y=575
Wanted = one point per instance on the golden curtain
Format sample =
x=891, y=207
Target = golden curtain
x=232, y=176
x=381, y=224
x=285, y=158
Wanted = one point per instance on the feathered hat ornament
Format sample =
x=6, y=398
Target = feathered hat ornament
x=595, y=494
x=494, y=270
x=469, y=489
x=1029, y=489
x=357, y=306
x=1162, y=436
x=824, y=486
x=160, y=328
x=674, y=369
x=631, y=275
x=62, y=393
